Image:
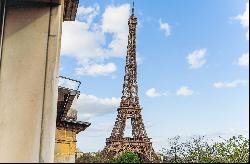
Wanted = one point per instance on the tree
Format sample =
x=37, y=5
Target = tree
x=197, y=150
x=127, y=157
x=92, y=158
x=233, y=150
x=99, y=157
x=175, y=153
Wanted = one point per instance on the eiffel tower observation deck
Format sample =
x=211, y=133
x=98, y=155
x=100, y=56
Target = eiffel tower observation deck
x=130, y=108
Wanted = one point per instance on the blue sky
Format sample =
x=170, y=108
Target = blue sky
x=193, y=71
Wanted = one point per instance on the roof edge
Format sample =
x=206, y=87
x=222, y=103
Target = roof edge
x=70, y=6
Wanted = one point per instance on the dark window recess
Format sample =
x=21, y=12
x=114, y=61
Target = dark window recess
x=2, y=10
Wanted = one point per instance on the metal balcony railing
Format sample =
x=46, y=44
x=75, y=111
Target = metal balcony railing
x=69, y=83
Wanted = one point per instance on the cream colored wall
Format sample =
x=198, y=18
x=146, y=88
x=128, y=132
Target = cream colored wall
x=28, y=84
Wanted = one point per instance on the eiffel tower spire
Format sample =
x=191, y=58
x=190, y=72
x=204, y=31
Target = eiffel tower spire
x=130, y=109
x=133, y=8
x=130, y=87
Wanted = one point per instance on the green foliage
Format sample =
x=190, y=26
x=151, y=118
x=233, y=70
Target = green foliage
x=99, y=157
x=128, y=157
x=92, y=158
x=234, y=150
x=197, y=150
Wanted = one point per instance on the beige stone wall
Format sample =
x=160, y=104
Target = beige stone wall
x=28, y=83
x=65, y=148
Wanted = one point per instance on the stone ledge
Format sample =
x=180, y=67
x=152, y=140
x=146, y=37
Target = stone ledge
x=70, y=6
x=32, y=2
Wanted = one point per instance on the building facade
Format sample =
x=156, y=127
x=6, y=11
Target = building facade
x=67, y=125
x=30, y=35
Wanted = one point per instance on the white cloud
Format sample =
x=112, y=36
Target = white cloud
x=117, y=14
x=231, y=84
x=90, y=106
x=114, y=21
x=96, y=69
x=197, y=59
x=152, y=93
x=244, y=60
x=87, y=41
x=244, y=19
x=99, y=128
x=184, y=91
x=80, y=42
x=87, y=14
x=165, y=27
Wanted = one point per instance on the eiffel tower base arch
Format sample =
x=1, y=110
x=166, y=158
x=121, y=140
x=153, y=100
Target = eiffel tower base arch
x=142, y=147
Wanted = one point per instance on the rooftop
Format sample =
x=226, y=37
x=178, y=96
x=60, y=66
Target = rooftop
x=66, y=96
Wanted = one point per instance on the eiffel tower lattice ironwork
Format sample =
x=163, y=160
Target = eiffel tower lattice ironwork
x=130, y=109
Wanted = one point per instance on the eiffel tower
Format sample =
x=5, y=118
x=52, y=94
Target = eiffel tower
x=130, y=109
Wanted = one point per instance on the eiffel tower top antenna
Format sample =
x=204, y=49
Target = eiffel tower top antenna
x=133, y=8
